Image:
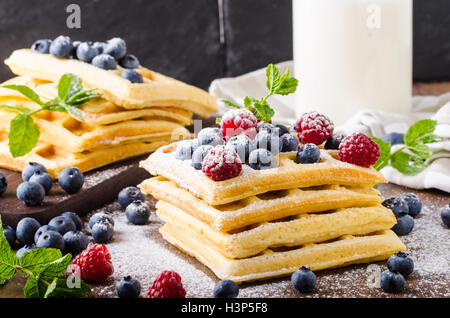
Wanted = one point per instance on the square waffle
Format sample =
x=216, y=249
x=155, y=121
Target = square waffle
x=157, y=89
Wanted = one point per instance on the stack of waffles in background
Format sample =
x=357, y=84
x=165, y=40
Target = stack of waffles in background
x=127, y=121
x=269, y=223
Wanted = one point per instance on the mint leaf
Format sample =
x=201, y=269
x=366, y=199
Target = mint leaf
x=429, y=139
x=8, y=260
x=227, y=102
x=218, y=121
x=385, y=153
x=69, y=84
x=418, y=130
x=288, y=85
x=74, y=112
x=16, y=109
x=55, y=268
x=421, y=150
x=23, y=135
x=263, y=111
x=62, y=290
x=27, y=92
x=38, y=257
x=273, y=78
x=34, y=288
x=408, y=164
x=249, y=102
x=51, y=288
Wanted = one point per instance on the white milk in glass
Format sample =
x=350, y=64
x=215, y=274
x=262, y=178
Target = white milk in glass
x=352, y=55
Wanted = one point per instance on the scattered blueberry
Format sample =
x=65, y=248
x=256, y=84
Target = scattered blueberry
x=75, y=218
x=116, y=47
x=133, y=76
x=392, y=282
x=41, y=231
x=10, y=235
x=137, y=213
x=43, y=179
x=86, y=52
x=61, y=47
x=71, y=180
x=130, y=194
x=397, y=205
x=199, y=154
x=30, y=193
x=102, y=232
x=414, y=203
x=30, y=169
x=25, y=249
x=100, y=217
x=400, y=262
x=41, y=46
x=289, y=143
x=185, y=149
x=334, y=142
x=62, y=224
x=129, y=61
x=51, y=239
x=105, y=62
x=404, y=226
x=226, y=289
x=26, y=228
x=261, y=159
x=128, y=288
x=304, y=280
x=243, y=146
x=394, y=138
x=270, y=141
x=445, y=215
x=210, y=137
x=282, y=130
x=75, y=242
x=3, y=183
x=99, y=46
x=309, y=153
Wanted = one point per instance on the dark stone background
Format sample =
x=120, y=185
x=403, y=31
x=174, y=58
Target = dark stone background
x=183, y=38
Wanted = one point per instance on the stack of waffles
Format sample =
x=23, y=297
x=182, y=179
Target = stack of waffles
x=269, y=223
x=127, y=121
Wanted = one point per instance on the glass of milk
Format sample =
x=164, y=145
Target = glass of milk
x=352, y=55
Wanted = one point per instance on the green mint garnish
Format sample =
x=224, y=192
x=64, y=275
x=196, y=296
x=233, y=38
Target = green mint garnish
x=23, y=135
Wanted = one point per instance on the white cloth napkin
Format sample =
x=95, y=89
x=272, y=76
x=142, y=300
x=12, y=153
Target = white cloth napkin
x=373, y=122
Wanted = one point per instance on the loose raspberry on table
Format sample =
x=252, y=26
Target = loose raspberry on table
x=239, y=122
x=222, y=163
x=314, y=128
x=167, y=285
x=94, y=264
x=360, y=150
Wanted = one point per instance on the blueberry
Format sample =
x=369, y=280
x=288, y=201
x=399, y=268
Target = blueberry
x=261, y=159
x=414, y=203
x=226, y=289
x=86, y=52
x=334, y=142
x=445, y=215
x=102, y=232
x=199, y=154
x=30, y=169
x=63, y=224
x=3, y=183
x=185, y=149
x=243, y=146
x=392, y=282
x=133, y=76
x=43, y=179
x=395, y=138
x=75, y=242
x=30, y=193
x=282, y=130
x=75, y=46
x=404, y=226
x=210, y=137
x=10, y=235
x=99, y=46
x=128, y=288
x=397, y=205
x=304, y=280
x=41, y=231
x=129, y=61
x=130, y=194
x=75, y=218
x=400, y=262
x=26, y=229
x=289, y=143
x=104, y=61
x=61, y=47
x=116, y=47
x=270, y=141
x=100, y=217
x=309, y=153
x=25, y=249
x=138, y=213
x=41, y=46
x=51, y=239
x=71, y=180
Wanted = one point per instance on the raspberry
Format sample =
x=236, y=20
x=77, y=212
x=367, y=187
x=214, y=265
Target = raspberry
x=222, y=163
x=360, y=150
x=94, y=264
x=167, y=285
x=239, y=122
x=314, y=128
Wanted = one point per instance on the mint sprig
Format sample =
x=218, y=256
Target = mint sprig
x=43, y=267
x=23, y=135
x=277, y=85
x=411, y=158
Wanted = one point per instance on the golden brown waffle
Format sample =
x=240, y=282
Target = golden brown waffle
x=261, y=208
x=287, y=175
x=293, y=231
x=157, y=89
